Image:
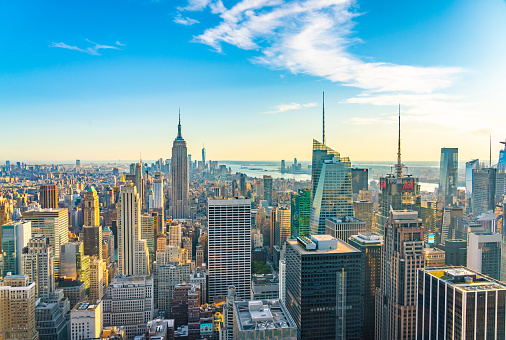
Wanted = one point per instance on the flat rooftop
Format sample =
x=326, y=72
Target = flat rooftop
x=342, y=247
x=466, y=279
x=345, y=219
x=262, y=315
x=82, y=306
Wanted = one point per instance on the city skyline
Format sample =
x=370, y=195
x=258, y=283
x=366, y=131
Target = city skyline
x=143, y=60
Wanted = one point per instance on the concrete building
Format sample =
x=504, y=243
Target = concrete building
x=73, y=290
x=51, y=315
x=401, y=257
x=175, y=234
x=364, y=211
x=52, y=223
x=75, y=264
x=344, y=227
x=324, y=288
x=434, y=257
x=263, y=319
x=229, y=243
x=98, y=279
x=91, y=208
x=86, y=321
x=484, y=253
x=48, y=196
x=92, y=240
x=38, y=265
x=264, y=287
x=159, y=329
x=168, y=276
x=129, y=303
x=17, y=308
x=459, y=303
x=15, y=237
x=455, y=252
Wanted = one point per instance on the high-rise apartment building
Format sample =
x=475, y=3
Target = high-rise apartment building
x=324, y=288
x=370, y=245
x=401, y=257
x=53, y=224
x=48, y=196
x=282, y=231
x=459, y=303
x=17, y=308
x=484, y=253
x=129, y=303
x=132, y=251
x=268, y=189
x=92, y=239
x=229, y=246
x=344, y=227
x=332, y=194
x=178, y=205
x=91, y=208
x=448, y=175
x=38, y=265
x=15, y=237
x=300, y=212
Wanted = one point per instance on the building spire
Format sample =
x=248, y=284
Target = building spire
x=490, y=150
x=324, y=118
x=179, y=125
x=399, y=166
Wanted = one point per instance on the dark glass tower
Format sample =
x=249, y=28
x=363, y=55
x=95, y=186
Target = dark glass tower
x=448, y=175
x=300, y=212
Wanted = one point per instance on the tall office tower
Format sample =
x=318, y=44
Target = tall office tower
x=15, y=236
x=282, y=226
x=484, y=253
x=48, y=196
x=129, y=303
x=204, y=156
x=17, y=306
x=98, y=279
x=470, y=167
x=282, y=280
x=272, y=230
x=455, y=252
x=38, y=265
x=108, y=245
x=179, y=206
x=91, y=208
x=332, y=195
x=74, y=263
x=324, y=287
x=175, y=234
x=268, y=189
x=86, y=321
x=158, y=201
x=138, y=181
x=78, y=165
x=370, y=245
x=54, y=224
x=229, y=246
x=428, y=213
x=148, y=233
x=300, y=212
x=397, y=191
x=459, y=303
x=364, y=210
x=132, y=252
x=448, y=175
x=359, y=180
x=344, y=227
x=401, y=257
x=275, y=323
x=92, y=237
x=483, y=194
x=242, y=185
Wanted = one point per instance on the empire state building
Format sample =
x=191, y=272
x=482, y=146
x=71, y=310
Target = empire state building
x=178, y=206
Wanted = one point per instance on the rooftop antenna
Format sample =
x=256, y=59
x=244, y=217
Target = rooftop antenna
x=398, y=167
x=179, y=125
x=324, y=117
x=490, y=150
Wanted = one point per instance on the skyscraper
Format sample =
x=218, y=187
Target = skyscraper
x=268, y=189
x=401, y=257
x=91, y=208
x=38, y=265
x=229, y=243
x=484, y=253
x=179, y=206
x=49, y=196
x=344, y=227
x=15, y=237
x=324, y=288
x=74, y=263
x=52, y=223
x=359, y=180
x=203, y=156
x=470, y=166
x=282, y=231
x=158, y=201
x=300, y=212
x=448, y=175
x=332, y=194
x=459, y=303
x=483, y=192
x=132, y=253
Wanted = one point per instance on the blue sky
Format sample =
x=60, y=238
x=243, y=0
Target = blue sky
x=103, y=80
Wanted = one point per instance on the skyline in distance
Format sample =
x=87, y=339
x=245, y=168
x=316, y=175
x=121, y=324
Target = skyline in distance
x=111, y=89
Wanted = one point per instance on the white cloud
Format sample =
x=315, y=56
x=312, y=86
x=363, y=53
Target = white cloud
x=93, y=50
x=289, y=107
x=119, y=44
x=179, y=19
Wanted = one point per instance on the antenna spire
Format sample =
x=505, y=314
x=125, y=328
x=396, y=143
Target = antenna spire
x=399, y=166
x=324, y=118
x=490, y=149
x=179, y=125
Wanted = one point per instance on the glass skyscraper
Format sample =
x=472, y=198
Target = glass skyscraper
x=300, y=212
x=448, y=175
x=332, y=193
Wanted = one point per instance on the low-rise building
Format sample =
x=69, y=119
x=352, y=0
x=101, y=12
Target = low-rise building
x=86, y=321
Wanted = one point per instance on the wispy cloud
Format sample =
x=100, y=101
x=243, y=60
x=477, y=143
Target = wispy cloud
x=289, y=107
x=179, y=19
x=92, y=50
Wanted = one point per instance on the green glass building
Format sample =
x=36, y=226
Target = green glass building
x=301, y=211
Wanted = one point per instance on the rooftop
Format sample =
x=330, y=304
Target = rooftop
x=345, y=219
x=82, y=306
x=262, y=315
x=321, y=244
x=368, y=238
x=466, y=279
